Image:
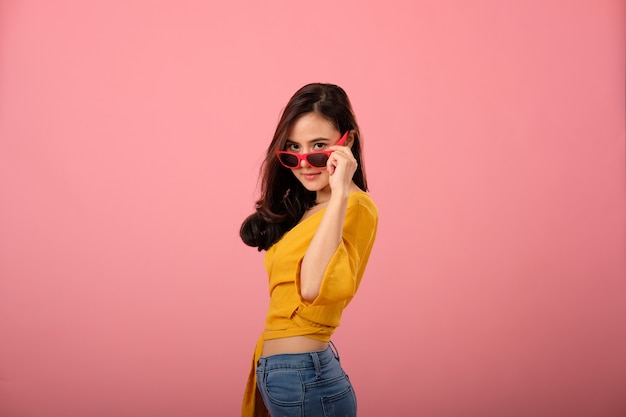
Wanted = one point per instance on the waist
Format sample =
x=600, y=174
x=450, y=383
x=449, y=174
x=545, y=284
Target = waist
x=298, y=360
x=292, y=345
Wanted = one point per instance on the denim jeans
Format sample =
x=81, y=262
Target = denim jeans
x=310, y=384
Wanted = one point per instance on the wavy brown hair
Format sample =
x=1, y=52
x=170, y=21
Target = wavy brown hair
x=284, y=200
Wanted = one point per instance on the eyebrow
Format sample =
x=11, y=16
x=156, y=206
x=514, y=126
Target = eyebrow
x=309, y=141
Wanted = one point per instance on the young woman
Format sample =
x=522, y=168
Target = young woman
x=318, y=225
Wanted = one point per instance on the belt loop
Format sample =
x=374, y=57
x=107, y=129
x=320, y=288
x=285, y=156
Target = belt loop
x=334, y=349
x=316, y=363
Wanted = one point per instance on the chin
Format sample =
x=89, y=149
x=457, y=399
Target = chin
x=315, y=187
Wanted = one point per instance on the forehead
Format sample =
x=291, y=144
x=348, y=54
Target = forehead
x=311, y=126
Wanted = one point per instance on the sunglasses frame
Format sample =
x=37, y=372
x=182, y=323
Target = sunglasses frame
x=305, y=156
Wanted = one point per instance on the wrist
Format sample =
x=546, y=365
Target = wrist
x=339, y=198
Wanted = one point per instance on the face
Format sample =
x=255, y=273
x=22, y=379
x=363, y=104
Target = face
x=311, y=133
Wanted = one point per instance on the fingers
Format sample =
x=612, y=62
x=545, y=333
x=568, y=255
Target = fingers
x=342, y=161
x=343, y=151
x=344, y=157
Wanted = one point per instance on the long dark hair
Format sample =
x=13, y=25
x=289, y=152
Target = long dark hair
x=284, y=200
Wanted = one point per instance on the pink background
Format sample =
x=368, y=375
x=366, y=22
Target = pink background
x=131, y=133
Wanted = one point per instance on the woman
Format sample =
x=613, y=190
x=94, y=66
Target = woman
x=318, y=225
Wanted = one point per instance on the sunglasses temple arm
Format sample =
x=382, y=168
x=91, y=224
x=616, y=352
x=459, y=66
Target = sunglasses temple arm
x=343, y=139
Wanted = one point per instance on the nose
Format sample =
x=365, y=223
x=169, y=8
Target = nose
x=304, y=163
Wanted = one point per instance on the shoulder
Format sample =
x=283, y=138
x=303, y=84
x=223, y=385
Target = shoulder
x=360, y=203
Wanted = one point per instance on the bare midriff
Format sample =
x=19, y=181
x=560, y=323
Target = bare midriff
x=294, y=344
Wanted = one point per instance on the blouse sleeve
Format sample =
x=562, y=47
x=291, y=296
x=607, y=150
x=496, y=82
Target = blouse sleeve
x=344, y=271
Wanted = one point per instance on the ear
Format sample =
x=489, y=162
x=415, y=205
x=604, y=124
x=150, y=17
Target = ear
x=350, y=139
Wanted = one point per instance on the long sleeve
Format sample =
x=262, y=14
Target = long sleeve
x=345, y=269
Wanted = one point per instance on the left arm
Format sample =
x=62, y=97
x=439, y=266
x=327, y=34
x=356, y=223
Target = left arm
x=322, y=247
x=341, y=167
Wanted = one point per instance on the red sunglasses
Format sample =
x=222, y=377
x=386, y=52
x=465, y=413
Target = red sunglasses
x=315, y=159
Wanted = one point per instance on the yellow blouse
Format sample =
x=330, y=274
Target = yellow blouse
x=290, y=315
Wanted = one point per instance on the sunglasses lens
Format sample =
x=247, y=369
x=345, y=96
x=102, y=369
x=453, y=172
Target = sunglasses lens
x=317, y=159
x=288, y=160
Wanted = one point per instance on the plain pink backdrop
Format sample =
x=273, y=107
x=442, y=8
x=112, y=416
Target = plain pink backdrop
x=131, y=133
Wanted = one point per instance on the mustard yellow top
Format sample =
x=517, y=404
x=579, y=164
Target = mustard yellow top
x=290, y=315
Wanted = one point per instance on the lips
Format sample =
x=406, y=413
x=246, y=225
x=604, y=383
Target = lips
x=310, y=176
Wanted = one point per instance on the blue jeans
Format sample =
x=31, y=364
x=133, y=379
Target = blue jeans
x=310, y=384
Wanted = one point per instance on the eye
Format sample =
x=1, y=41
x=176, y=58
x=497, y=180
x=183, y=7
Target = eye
x=318, y=146
x=292, y=147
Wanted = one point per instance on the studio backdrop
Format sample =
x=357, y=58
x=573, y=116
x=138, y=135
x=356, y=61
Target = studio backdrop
x=131, y=137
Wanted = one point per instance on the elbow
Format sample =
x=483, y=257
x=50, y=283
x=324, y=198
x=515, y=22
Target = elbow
x=308, y=294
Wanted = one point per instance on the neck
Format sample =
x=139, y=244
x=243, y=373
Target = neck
x=322, y=196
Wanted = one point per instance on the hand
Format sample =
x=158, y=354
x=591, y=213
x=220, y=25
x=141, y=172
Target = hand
x=341, y=167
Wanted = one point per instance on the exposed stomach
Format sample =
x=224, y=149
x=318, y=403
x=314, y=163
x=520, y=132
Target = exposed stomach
x=293, y=344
